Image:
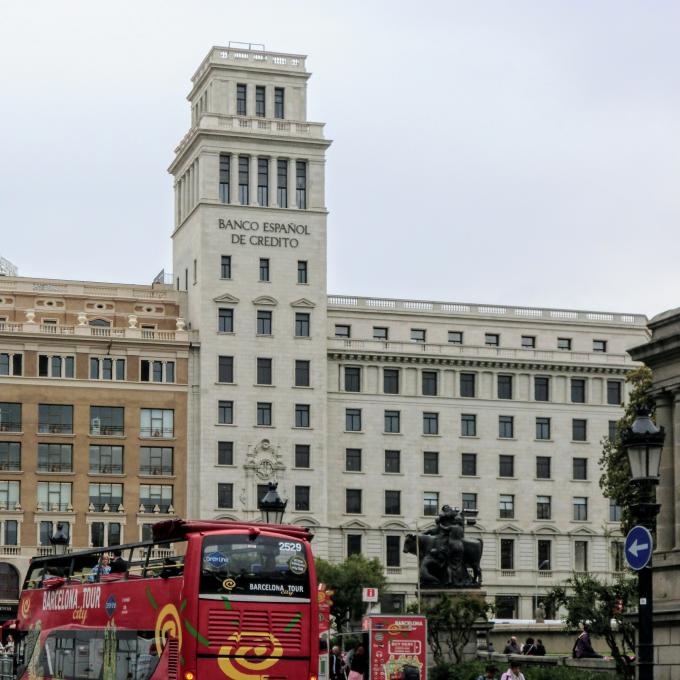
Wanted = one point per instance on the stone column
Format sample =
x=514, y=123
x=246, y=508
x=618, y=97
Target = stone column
x=673, y=448
x=292, y=202
x=252, y=189
x=665, y=531
x=272, y=182
x=233, y=179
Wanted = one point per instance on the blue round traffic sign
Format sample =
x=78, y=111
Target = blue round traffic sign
x=638, y=547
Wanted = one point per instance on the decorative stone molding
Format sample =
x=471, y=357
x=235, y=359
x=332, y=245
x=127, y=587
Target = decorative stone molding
x=132, y=320
x=30, y=316
x=82, y=319
x=180, y=324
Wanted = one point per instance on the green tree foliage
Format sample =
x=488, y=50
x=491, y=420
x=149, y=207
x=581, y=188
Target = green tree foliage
x=601, y=605
x=450, y=623
x=347, y=579
x=615, y=481
x=471, y=670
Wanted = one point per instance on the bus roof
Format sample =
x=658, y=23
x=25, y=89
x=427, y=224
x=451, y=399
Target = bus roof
x=179, y=528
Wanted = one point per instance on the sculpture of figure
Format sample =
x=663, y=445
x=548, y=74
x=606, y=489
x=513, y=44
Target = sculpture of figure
x=446, y=557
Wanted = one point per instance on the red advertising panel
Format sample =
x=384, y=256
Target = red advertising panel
x=397, y=642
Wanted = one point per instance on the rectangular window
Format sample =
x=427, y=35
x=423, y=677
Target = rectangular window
x=468, y=425
x=264, y=413
x=431, y=462
x=302, y=456
x=10, y=417
x=9, y=494
x=342, y=331
x=302, y=498
x=241, y=105
x=614, y=392
x=580, y=555
x=391, y=380
x=543, y=467
x=226, y=369
x=102, y=495
x=10, y=456
x=56, y=366
x=353, y=544
x=243, y=179
x=225, y=495
x=543, y=507
x=302, y=271
x=506, y=427
x=578, y=390
x=225, y=412
x=505, y=387
x=264, y=371
x=55, y=457
x=353, y=501
x=278, y=102
x=456, y=337
x=392, y=551
x=418, y=335
x=528, y=341
x=564, y=343
x=380, y=333
x=259, y=101
x=152, y=495
x=430, y=423
x=264, y=322
x=469, y=501
x=579, y=468
x=599, y=345
x=492, y=339
x=506, y=506
x=542, y=428
x=225, y=320
x=614, y=511
x=352, y=379
x=264, y=269
x=429, y=383
x=282, y=183
x=579, y=430
x=430, y=503
x=353, y=460
x=506, y=606
x=612, y=429
x=301, y=373
x=541, y=388
x=507, y=554
x=224, y=183
x=353, y=419
x=302, y=324
x=55, y=419
x=392, y=421
x=156, y=422
x=107, y=421
x=506, y=465
x=11, y=364
x=544, y=557
x=468, y=465
x=225, y=453
x=392, y=461
x=393, y=502
x=156, y=371
x=467, y=384
x=11, y=532
x=580, y=508
x=302, y=415
x=301, y=184
x=155, y=460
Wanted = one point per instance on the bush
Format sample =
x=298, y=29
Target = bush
x=473, y=669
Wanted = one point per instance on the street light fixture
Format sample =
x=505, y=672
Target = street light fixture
x=272, y=506
x=59, y=540
x=643, y=442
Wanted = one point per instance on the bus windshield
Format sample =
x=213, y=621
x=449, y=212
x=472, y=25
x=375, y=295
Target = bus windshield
x=240, y=564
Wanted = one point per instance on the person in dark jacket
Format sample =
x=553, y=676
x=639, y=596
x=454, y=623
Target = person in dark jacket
x=582, y=647
x=529, y=647
x=512, y=647
x=337, y=665
x=359, y=663
x=540, y=649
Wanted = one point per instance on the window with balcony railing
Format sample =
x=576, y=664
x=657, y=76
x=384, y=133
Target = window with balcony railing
x=10, y=456
x=9, y=533
x=10, y=417
x=106, y=460
x=46, y=529
x=157, y=423
x=107, y=421
x=152, y=495
x=9, y=494
x=54, y=496
x=55, y=419
x=55, y=458
x=156, y=460
x=102, y=495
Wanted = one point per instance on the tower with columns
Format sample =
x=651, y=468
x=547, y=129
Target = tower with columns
x=249, y=247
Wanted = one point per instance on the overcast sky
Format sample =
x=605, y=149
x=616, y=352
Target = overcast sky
x=521, y=153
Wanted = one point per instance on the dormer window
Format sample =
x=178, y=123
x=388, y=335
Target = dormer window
x=241, y=90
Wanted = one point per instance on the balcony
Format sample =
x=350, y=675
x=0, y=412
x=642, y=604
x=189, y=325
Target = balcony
x=55, y=428
x=10, y=465
x=159, y=470
x=55, y=467
x=10, y=426
x=98, y=430
x=157, y=432
x=106, y=469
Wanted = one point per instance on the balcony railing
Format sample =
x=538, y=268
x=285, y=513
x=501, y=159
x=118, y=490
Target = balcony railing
x=10, y=465
x=55, y=467
x=106, y=469
x=10, y=550
x=107, y=430
x=96, y=331
x=55, y=428
x=10, y=426
x=157, y=432
x=155, y=470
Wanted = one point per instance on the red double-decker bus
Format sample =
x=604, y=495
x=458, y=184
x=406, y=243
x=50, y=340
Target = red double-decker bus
x=203, y=600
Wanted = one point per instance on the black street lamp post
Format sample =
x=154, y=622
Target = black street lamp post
x=643, y=442
x=272, y=506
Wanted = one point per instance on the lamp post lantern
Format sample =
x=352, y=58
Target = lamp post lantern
x=272, y=506
x=59, y=540
x=643, y=442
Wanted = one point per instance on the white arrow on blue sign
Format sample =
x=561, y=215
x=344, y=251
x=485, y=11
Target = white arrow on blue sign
x=638, y=548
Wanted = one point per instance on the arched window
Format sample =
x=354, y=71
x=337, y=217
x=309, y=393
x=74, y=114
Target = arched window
x=101, y=323
x=9, y=582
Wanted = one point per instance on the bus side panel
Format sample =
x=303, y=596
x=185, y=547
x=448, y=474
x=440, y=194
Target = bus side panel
x=238, y=668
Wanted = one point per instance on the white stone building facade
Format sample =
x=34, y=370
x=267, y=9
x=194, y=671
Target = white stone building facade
x=372, y=413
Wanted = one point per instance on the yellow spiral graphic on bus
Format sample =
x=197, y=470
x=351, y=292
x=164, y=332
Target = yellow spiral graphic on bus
x=168, y=624
x=252, y=644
